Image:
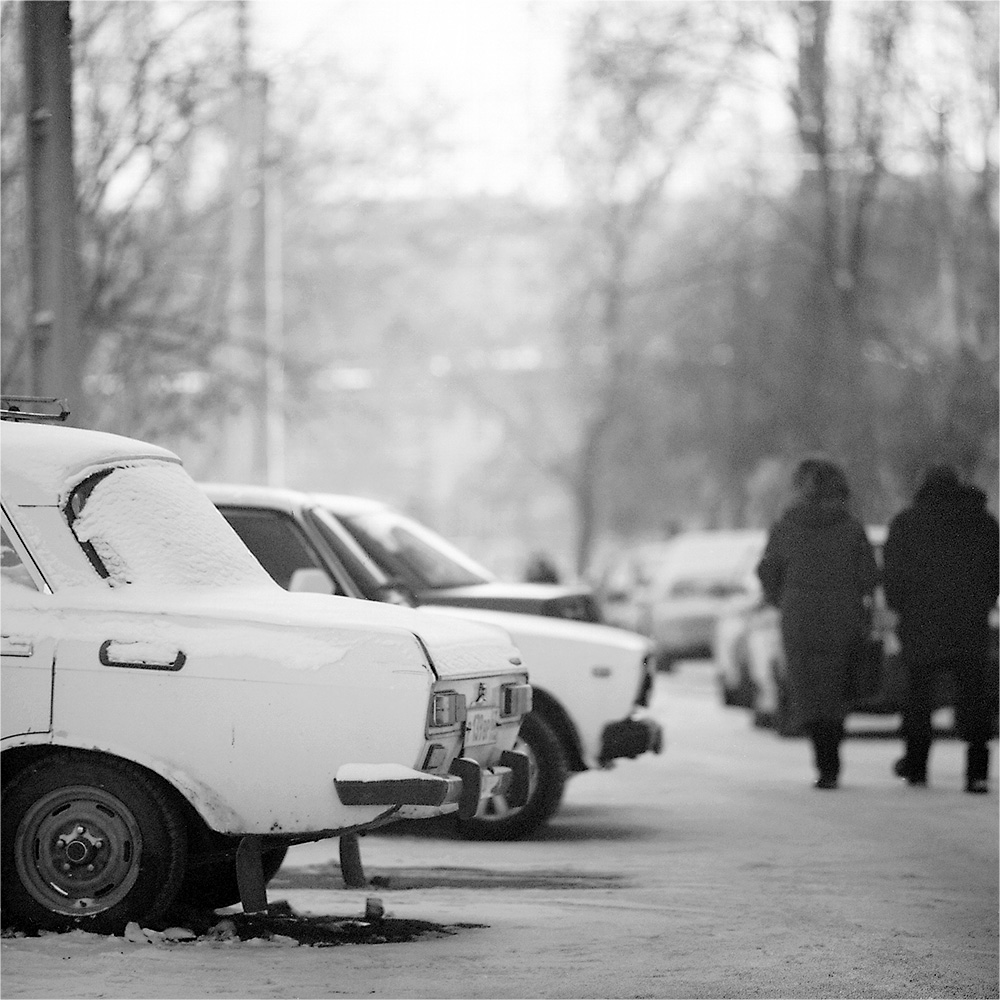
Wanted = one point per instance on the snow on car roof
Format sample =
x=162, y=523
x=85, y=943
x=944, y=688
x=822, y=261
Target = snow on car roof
x=287, y=499
x=41, y=462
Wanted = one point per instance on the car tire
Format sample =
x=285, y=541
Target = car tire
x=547, y=778
x=89, y=842
x=727, y=693
x=741, y=696
x=210, y=882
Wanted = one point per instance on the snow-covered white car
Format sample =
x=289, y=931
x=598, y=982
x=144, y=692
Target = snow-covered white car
x=589, y=682
x=172, y=719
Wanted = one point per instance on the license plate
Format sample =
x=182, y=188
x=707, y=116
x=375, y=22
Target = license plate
x=480, y=726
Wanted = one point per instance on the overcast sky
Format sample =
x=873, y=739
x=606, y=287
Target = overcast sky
x=499, y=63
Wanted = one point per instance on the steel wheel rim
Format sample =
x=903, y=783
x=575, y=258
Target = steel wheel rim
x=496, y=807
x=78, y=850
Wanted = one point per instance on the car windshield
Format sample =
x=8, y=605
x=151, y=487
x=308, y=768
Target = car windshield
x=407, y=551
x=148, y=523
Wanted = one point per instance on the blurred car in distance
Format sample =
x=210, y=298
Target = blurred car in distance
x=675, y=591
x=589, y=682
x=172, y=720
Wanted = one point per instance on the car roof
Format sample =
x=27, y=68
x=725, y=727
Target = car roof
x=287, y=499
x=40, y=460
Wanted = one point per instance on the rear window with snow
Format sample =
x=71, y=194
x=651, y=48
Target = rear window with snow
x=148, y=523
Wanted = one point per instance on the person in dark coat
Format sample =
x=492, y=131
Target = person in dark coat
x=540, y=569
x=819, y=570
x=942, y=576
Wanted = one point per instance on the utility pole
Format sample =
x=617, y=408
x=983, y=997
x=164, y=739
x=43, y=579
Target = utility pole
x=56, y=353
x=244, y=452
x=274, y=330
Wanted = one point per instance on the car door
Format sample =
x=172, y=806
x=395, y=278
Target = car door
x=26, y=647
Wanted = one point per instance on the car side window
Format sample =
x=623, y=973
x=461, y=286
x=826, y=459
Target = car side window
x=277, y=542
x=12, y=567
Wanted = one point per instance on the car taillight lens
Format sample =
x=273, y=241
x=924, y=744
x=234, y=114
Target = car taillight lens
x=447, y=709
x=515, y=699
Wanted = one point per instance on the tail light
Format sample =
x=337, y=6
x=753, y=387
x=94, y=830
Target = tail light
x=447, y=709
x=515, y=699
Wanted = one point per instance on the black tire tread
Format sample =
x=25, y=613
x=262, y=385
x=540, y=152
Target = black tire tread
x=164, y=863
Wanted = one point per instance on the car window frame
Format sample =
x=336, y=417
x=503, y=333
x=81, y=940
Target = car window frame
x=42, y=585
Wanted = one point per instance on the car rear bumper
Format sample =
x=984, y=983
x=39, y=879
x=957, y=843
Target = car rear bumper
x=468, y=784
x=630, y=738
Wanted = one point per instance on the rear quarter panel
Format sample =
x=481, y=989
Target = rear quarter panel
x=254, y=725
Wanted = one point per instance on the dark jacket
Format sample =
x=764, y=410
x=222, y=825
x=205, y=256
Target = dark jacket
x=817, y=567
x=942, y=571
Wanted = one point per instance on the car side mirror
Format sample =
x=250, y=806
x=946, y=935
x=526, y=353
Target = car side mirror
x=311, y=580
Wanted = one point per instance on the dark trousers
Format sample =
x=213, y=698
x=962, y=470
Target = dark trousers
x=973, y=713
x=826, y=735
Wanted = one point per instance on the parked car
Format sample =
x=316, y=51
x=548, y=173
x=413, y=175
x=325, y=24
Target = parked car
x=589, y=682
x=172, y=719
x=434, y=571
x=679, y=588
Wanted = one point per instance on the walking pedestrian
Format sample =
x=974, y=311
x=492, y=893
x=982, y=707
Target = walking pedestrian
x=942, y=576
x=818, y=568
x=540, y=569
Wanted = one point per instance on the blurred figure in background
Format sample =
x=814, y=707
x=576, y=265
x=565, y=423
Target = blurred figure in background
x=942, y=576
x=819, y=570
x=541, y=569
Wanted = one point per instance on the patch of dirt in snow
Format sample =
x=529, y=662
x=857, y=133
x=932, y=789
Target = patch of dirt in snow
x=282, y=925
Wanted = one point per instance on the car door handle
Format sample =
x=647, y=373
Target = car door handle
x=139, y=656
x=12, y=646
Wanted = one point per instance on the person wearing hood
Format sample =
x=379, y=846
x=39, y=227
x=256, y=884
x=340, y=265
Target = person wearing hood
x=942, y=577
x=819, y=570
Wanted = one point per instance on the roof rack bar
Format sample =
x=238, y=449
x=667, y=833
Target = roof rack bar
x=12, y=408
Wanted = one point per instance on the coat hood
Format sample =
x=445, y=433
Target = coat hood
x=942, y=490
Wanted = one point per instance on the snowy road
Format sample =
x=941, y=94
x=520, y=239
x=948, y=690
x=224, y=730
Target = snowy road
x=714, y=870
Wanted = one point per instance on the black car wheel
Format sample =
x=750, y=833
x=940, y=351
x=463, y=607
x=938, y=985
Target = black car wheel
x=89, y=842
x=496, y=819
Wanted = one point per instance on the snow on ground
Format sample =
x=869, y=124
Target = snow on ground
x=714, y=870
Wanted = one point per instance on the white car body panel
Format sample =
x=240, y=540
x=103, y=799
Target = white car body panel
x=592, y=671
x=245, y=698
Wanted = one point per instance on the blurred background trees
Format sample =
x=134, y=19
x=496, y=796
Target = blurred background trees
x=777, y=233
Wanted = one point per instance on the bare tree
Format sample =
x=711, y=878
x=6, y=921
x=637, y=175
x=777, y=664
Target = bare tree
x=645, y=82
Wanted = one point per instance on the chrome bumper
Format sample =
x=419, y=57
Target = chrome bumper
x=468, y=784
x=630, y=738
